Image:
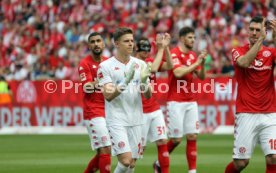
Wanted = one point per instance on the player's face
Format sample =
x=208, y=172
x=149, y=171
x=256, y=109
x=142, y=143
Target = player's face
x=188, y=40
x=125, y=44
x=96, y=44
x=254, y=32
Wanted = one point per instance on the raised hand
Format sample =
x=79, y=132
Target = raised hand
x=130, y=74
x=145, y=73
x=202, y=56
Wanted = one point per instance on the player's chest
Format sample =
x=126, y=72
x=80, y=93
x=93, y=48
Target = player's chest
x=186, y=59
x=93, y=68
x=119, y=72
x=264, y=59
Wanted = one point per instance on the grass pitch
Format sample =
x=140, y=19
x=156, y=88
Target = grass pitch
x=71, y=153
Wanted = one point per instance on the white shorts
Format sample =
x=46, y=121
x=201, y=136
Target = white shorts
x=182, y=118
x=126, y=139
x=98, y=133
x=154, y=127
x=251, y=129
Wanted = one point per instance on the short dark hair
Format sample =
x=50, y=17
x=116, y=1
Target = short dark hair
x=186, y=30
x=257, y=19
x=119, y=32
x=92, y=35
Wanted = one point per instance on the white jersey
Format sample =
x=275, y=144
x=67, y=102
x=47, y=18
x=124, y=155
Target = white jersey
x=125, y=109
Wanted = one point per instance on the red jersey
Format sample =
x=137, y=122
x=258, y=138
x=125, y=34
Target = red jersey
x=256, y=92
x=93, y=103
x=151, y=104
x=180, y=88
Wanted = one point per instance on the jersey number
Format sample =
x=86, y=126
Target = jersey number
x=272, y=143
x=161, y=130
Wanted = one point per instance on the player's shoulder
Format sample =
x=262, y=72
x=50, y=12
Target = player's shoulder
x=175, y=50
x=107, y=62
x=241, y=48
x=86, y=60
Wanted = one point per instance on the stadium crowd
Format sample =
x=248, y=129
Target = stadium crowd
x=47, y=39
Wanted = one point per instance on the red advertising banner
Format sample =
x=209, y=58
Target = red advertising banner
x=59, y=103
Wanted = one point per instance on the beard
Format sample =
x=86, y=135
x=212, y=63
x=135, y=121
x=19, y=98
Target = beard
x=97, y=52
x=189, y=46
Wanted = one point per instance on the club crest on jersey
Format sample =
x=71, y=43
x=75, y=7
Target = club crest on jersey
x=100, y=75
x=116, y=68
x=266, y=53
x=121, y=144
x=242, y=150
x=136, y=66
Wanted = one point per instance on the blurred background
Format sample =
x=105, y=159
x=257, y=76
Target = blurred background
x=42, y=39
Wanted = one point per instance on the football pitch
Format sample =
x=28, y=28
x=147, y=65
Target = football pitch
x=71, y=153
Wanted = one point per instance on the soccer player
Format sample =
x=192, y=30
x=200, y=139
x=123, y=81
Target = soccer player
x=154, y=128
x=123, y=78
x=255, y=119
x=93, y=110
x=182, y=106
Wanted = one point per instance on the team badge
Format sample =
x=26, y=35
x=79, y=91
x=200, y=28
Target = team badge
x=266, y=53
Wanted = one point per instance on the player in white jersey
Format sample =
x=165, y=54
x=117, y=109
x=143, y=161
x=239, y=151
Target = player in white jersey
x=123, y=78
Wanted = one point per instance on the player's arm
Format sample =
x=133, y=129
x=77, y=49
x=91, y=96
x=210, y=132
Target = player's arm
x=86, y=77
x=183, y=70
x=162, y=43
x=145, y=86
x=168, y=65
x=273, y=26
x=111, y=91
x=201, y=73
x=245, y=60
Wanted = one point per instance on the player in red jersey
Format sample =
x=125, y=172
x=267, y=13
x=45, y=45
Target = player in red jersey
x=93, y=106
x=182, y=106
x=154, y=128
x=255, y=119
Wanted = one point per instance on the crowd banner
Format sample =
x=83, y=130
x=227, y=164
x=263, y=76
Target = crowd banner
x=59, y=103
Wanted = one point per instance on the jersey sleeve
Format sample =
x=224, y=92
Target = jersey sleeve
x=85, y=74
x=236, y=54
x=103, y=75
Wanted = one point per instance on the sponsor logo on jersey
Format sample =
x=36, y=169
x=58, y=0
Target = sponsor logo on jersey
x=266, y=53
x=258, y=62
x=94, y=66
